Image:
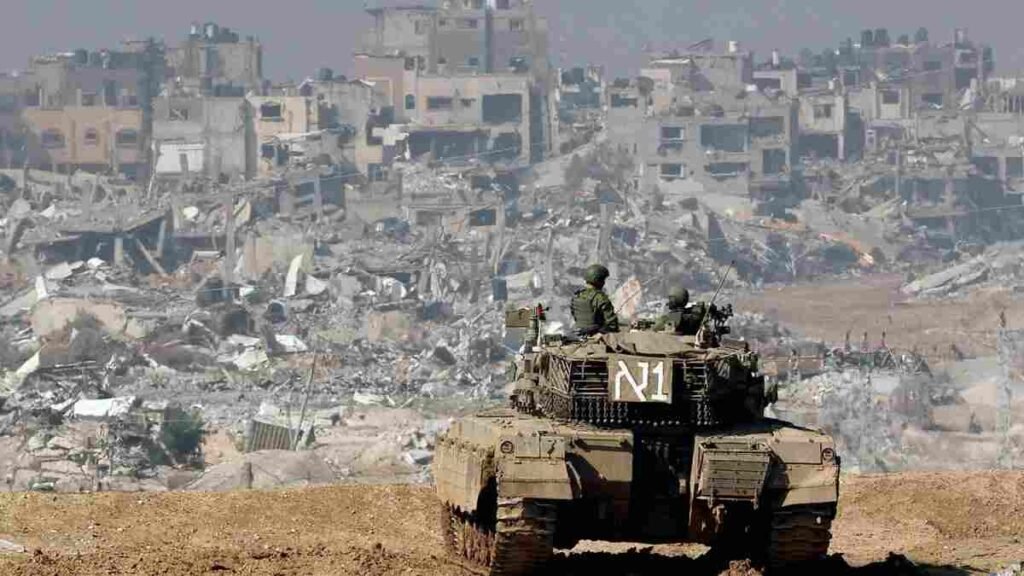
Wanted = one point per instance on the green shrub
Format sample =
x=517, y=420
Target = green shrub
x=182, y=433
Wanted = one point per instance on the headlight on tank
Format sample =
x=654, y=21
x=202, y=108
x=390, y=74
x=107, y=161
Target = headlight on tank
x=828, y=455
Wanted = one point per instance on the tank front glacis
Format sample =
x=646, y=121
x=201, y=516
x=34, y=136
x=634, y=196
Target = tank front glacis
x=638, y=436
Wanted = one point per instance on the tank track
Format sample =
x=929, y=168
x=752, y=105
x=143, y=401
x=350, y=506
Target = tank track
x=799, y=535
x=520, y=541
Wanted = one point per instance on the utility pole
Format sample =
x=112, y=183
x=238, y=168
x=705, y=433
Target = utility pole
x=305, y=402
x=229, y=242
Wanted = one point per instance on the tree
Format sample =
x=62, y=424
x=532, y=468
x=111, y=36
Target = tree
x=182, y=433
x=921, y=36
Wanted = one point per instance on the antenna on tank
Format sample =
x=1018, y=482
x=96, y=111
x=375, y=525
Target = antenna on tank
x=707, y=312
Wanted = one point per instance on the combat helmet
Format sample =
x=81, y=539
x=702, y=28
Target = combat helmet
x=596, y=274
x=678, y=297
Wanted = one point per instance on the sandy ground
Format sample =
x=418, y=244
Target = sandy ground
x=826, y=310
x=956, y=523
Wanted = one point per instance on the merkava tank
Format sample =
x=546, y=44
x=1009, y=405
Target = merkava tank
x=637, y=436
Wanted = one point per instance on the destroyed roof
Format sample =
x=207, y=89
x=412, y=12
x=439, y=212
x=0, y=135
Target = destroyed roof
x=113, y=220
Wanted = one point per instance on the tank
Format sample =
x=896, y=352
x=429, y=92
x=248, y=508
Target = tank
x=637, y=436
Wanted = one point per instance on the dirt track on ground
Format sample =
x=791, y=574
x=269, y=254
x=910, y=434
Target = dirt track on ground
x=828, y=309
x=968, y=522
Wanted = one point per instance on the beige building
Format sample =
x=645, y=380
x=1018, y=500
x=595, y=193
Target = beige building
x=472, y=44
x=824, y=118
x=479, y=116
x=275, y=119
x=92, y=138
x=693, y=123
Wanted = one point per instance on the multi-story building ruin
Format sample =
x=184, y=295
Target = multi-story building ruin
x=82, y=110
x=468, y=78
x=694, y=120
x=215, y=61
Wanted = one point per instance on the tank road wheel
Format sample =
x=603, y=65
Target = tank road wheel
x=799, y=535
x=517, y=542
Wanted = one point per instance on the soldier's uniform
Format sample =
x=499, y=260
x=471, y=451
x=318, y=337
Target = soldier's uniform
x=684, y=322
x=683, y=317
x=592, y=309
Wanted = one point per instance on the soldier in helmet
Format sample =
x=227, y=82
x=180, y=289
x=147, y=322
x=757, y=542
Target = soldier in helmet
x=683, y=317
x=592, y=310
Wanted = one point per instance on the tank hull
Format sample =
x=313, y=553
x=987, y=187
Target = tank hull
x=656, y=484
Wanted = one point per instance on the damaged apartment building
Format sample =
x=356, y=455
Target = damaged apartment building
x=218, y=116
x=694, y=124
x=213, y=60
x=468, y=79
x=81, y=110
x=936, y=132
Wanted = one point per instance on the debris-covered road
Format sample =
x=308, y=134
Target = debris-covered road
x=965, y=523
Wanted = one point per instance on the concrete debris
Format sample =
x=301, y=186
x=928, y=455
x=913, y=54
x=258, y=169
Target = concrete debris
x=290, y=344
x=42, y=291
x=1016, y=569
x=251, y=359
x=418, y=457
x=103, y=409
x=322, y=248
x=315, y=286
x=266, y=470
x=53, y=315
x=62, y=271
x=949, y=280
x=291, y=281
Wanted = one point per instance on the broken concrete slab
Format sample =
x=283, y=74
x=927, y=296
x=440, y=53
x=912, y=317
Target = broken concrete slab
x=292, y=279
x=19, y=305
x=104, y=408
x=315, y=286
x=290, y=344
x=42, y=291
x=950, y=279
x=523, y=281
x=53, y=315
x=367, y=399
x=251, y=359
x=63, y=271
x=418, y=457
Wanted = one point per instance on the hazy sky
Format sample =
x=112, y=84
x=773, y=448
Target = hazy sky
x=302, y=35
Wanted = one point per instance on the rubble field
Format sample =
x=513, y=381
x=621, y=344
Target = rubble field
x=914, y=523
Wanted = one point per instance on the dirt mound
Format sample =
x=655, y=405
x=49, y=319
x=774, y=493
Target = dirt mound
x=957, y=505
x=265, y=470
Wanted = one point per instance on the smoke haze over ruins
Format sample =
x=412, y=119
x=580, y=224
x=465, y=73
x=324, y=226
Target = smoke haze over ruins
x=313, y=33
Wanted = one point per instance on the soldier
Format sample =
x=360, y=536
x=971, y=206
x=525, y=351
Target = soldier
x=592, y=310
x=683, y=317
